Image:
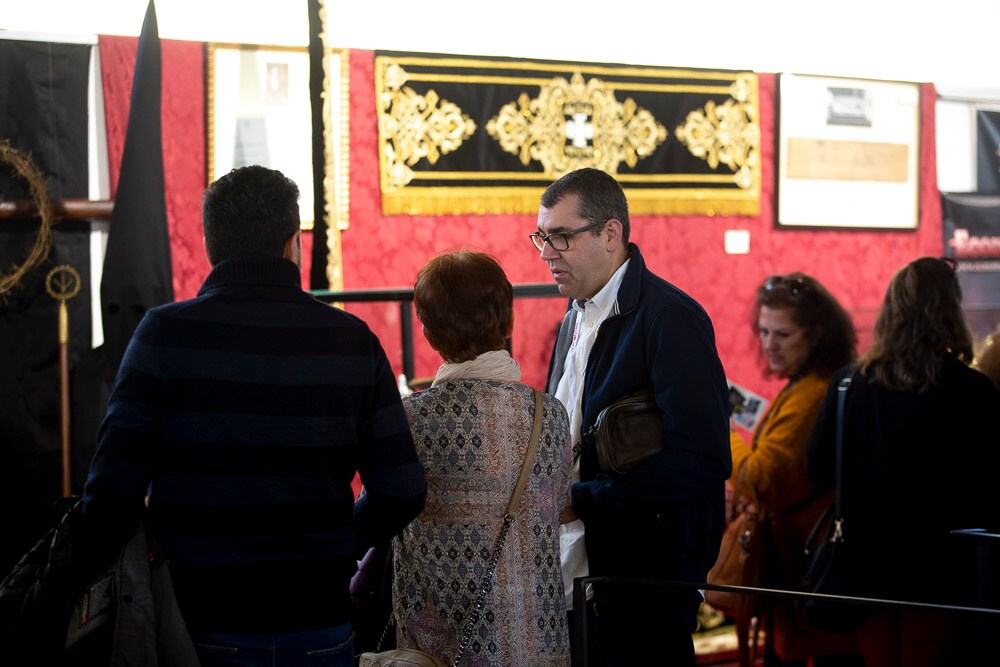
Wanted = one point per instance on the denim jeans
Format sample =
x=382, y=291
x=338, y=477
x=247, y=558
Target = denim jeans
x=329, y=647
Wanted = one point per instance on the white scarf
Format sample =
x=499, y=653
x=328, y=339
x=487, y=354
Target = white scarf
x=494, y=365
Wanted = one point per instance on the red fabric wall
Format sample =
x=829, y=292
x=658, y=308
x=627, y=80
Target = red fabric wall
x=387, y=251
x=183, y=130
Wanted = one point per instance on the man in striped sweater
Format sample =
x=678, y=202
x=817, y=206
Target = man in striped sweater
x=242, y=416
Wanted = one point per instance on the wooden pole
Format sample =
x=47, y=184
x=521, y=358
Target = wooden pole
x=62, y=284
x=67, y=453
x=20, y=209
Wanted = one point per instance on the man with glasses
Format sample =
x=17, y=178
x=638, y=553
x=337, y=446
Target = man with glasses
x=626, y=330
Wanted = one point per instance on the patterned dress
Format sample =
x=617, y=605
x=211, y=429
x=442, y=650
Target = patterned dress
x=471, y=436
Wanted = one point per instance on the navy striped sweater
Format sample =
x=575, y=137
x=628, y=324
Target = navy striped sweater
x=243, y=414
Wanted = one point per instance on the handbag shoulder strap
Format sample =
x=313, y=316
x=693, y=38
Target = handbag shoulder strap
x=842, y=387
x=529, y=457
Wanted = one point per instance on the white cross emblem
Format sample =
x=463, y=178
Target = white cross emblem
x=579, y=130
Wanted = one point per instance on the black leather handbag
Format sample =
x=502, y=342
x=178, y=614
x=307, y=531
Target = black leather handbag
x=628, y=432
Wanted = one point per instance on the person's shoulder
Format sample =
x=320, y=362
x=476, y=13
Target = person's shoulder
x=166, y=311
x=661, y=297
x=659, y=290
x=807, y=393
x=550, y=404
x=553, y=405
x=961, y=374
x=333, y=316
x=812, y=384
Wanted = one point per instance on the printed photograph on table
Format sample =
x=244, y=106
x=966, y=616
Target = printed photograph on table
x=848, y=153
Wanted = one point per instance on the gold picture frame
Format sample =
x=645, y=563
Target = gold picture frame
x=259, y=112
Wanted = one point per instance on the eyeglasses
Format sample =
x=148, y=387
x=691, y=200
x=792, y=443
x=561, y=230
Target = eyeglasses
x=795, y=286
x=560, y=240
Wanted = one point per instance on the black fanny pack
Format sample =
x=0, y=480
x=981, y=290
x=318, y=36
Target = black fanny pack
x=628, y=432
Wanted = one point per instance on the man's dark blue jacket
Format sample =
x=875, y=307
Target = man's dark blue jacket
x=663, y=519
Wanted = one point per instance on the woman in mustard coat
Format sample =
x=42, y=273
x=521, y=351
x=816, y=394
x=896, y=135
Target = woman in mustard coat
x=805, y=335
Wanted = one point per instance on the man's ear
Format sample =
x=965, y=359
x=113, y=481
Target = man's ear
x=204, y=242
x=613, y=230
x=293, y=247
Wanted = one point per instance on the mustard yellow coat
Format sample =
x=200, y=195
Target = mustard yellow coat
x=773, y=473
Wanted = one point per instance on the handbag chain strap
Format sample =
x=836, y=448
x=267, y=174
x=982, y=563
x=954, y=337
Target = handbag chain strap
x=508, y=519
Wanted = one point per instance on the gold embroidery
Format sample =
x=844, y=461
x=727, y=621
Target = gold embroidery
x=727, y=133
x=497, y=184
x=413, y=127
x=572, y=124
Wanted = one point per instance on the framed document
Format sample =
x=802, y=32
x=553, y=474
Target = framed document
x=259, y=113
x=848, y=153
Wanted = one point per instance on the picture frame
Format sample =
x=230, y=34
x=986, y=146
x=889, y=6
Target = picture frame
x=848, y=153
x=259, y=112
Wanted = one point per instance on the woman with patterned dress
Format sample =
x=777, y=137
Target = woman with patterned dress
x=471, y=429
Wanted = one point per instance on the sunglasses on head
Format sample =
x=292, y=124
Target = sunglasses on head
x=795, y=286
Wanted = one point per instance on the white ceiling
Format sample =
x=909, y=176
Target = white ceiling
x=952, y=44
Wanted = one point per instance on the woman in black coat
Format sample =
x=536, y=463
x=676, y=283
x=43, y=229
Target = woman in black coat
x=918, y=463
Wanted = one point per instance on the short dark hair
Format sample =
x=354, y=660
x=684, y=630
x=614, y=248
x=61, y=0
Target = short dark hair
x=920, y=323
x=600, y=197
x=249, y=211
x=465, y=303
x=828, y=326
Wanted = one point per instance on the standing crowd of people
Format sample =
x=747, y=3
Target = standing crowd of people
x=240, y=417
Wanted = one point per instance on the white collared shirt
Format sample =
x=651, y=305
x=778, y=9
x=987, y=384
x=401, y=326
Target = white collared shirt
x=589, y=317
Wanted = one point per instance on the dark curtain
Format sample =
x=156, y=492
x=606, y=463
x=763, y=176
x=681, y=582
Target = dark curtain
x=317, y=276
x=137, y=271
x=43, y=112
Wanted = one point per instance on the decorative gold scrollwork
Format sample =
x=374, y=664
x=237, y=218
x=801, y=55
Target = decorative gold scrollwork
x=728, y=133
x=417, y=126
x=572, y=124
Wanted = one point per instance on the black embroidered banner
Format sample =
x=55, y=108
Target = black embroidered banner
x=462, y=134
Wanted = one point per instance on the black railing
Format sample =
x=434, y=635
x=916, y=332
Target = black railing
x=404, y=295
x=985, y=615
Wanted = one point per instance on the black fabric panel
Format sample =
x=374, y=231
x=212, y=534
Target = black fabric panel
x=317, y=273
x=43, y=111
x=30, y=435
x=137, y=271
